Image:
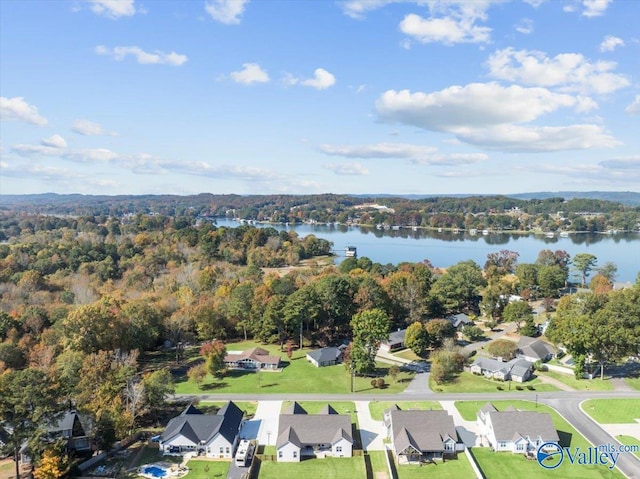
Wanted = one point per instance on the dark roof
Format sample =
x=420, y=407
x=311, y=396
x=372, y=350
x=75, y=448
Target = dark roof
x=70, y=421
x=425, y=431
x=458, y=319
x=534, y=348
x=325, y=354
x=520, y=367
x=294, y=408
x=199, y=427
x=396, y=337
x=488, y=408
x=511, y=425
x=328, y=409
x=313, y=429
x=191, y=409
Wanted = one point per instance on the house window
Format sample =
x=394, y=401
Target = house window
x=280, y=454
x=228, y=451
x=295, y=453
x=520, y=447
x=338, y=448
x=448, y=446
x=221, y=450
x=502, y=444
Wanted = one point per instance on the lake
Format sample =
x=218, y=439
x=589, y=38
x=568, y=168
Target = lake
x=445, y=248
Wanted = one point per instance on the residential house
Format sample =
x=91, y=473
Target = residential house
x=252, y=359
x=515, y=431
x=460, y=320
x=395, y=341
x=325, y=356
x=420, y=436
x=517, y=369
x=534, y=350
x=320, y=435
x=70, y=426
x=211, y=435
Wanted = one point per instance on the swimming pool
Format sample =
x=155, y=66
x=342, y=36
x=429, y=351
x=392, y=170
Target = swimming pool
x=153, y=471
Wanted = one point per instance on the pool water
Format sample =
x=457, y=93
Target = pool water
x=154, y=471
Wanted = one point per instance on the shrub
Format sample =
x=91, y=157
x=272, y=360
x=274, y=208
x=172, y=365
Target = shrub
x=499, y=388
x=374, y=383
x=380, y=382
x=519, y=388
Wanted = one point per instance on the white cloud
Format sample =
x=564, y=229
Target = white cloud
x=250, y=74
x=352, y=169
x=594, y=8
x=610, y=43
x=634, y=107
x=447, y=30
x=113, y=8
x=626, y=163
x=156, y=58
x=54, y=141
x=613, y=172
x=567, y=71
x=89, y=128
x=535, y=3
x=17, y=109
x=525, y=26
x=321, y=80
x=226, y=11
x=29, y=151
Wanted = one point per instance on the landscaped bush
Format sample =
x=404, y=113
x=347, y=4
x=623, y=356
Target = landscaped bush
x=500, y=388
x=531, y=388
x=519, y=388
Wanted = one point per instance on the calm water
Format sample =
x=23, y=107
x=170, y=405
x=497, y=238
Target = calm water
x=445, y=249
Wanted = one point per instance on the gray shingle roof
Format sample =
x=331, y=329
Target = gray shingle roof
x=328, y=409
x=294, y=408
x=198, y=427
x=423, y=430
x=325, y=354
x=511, y=425
x=396, y=337
x=458, y=319
x=535, y=348
x=314, y=428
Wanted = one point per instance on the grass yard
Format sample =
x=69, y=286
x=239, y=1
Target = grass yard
x=458, y=468
x=579, y=384
x=328, y=468
x=408, y=354
x=298, y=376
x=630, y=441
x=505, y=464
x=207, y=469
x=8, y=468
x=377, y=408
x=613, y=411
x=378, y=463
x=633, y=382
x=210, y=407
x=470, y=383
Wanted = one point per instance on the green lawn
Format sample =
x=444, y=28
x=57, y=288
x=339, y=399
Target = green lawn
x=249, y=407
x=207, y=469
x=378, y=462
x=298, y=376
x=504, y=465
x=470, y=383
x=458, y=468
x=328, y=468
x=633, y=382
x=377, y=408
x=613, y=411
x=630, y=441
x=579, y=384
x=408, y=354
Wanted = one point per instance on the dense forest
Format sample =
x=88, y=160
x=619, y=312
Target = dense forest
x=84, y=298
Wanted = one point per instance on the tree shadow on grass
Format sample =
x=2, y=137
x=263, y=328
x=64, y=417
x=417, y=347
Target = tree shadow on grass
x=212, y=386
x=565, y=438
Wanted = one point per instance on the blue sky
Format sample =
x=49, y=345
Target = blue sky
x=354, y=96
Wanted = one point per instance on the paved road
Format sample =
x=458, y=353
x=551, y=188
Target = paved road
x=628, y=463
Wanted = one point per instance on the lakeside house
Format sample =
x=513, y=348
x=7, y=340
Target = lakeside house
x=251, y=359
x=211, y=435
x=419, y=436
x=514, y=431
x=327, y=434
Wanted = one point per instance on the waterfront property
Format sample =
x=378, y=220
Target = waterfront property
x=514, y=431
x=327, y=434
x=211, y=435
x=419, y=436
x=251, y=359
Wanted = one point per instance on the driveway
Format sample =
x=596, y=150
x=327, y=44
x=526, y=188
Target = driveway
x=371, y=431
x=268, y=413
x=467, y=430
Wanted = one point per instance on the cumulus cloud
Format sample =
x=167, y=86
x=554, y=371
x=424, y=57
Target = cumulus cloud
x=89, y=128
x=525, y=26
x=16, y=109
x=610, y=43
x=448, y=30
x=567, y=71
x=228, y=12
x=251, y=73
x=594, y=8
x=146, y=58
x=488, y=114
x=321, y=80
x=634, y=107
x=54, y=141
x=351, y=169
x=113, y=9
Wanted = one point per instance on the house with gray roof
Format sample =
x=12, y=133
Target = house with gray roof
x=395, y=341
x=459, y=320
x=325, y=356
x=74, y=430
x=534, y=350
x=419, y=436
x=313, y=435
x=517, y=369
x=211, y=435
x=519, y=432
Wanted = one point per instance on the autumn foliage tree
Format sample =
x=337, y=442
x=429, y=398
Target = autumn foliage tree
x=214, y=353
x=503, y=348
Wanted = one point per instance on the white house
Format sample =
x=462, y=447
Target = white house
x=419, y=436
x=517, y=369
x=211, y=435
x=254, y=358
x=535, y=349
x=520, y=432
x=325, y=356
x=325, y=434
